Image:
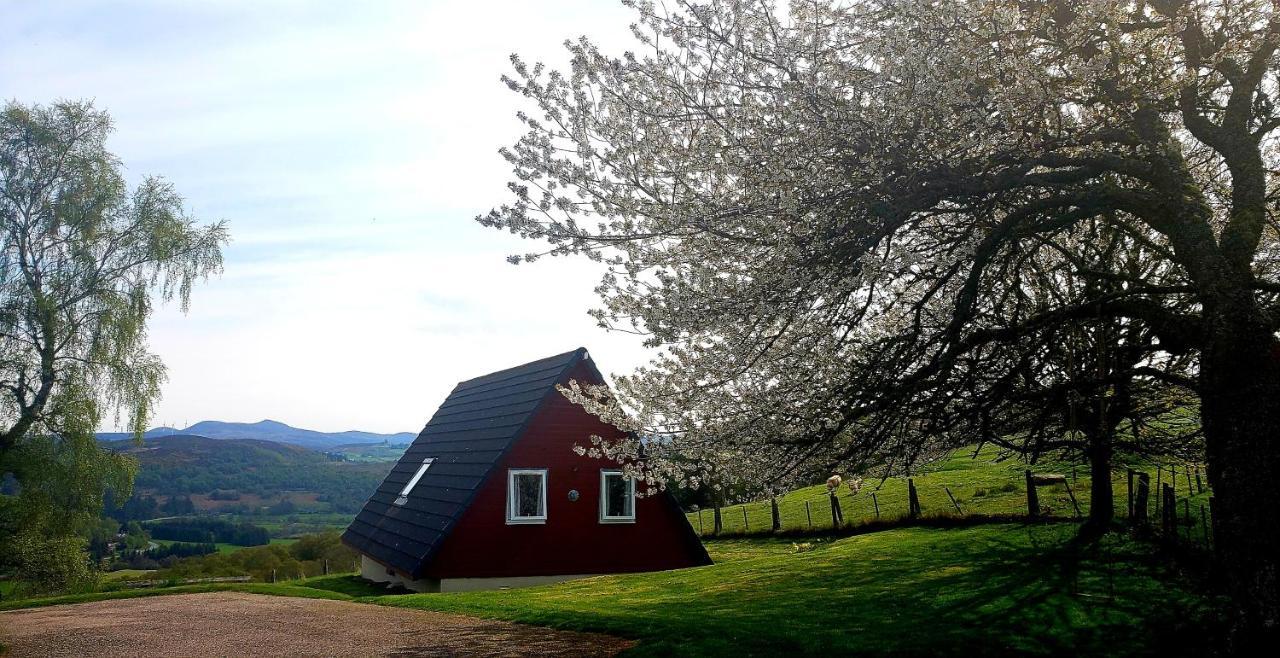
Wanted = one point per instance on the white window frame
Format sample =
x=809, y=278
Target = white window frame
x=605, y=473
x=512, y=518
x=413, y=481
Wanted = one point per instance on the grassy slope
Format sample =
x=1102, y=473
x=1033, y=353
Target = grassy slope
x=980, y=484
x=983, y=590
x=338, y=587
x=296, y=588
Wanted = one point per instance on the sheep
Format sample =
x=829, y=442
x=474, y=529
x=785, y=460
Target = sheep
x=833, y=483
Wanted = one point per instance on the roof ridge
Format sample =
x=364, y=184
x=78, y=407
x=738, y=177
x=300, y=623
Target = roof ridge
x=570, y=356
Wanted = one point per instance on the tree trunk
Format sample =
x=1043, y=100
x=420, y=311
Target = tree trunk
x=1240, y=409
x=1101, y=495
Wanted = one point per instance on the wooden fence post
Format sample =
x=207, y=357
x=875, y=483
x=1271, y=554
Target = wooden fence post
x=953, y=500
x=1186, y=516
x=1159, y=490
x=913, y=499
x=808, y=514
x=1199, y=483
x=777, y=517
x=745, y=525
x=1170, y=515
x=326, y=567
x=1187, y=468
x=1129, y=489
x=837, y=515
x=700, y=532
x=1140, y=503
x=717, y=523
x=1072, y=494
x=1033, y=500
x=1173, y=482
x=876, y=503
x=273, y=575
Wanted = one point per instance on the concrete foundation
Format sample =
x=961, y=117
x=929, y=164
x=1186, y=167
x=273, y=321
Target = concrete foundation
x=371, y=569
x=374, y=571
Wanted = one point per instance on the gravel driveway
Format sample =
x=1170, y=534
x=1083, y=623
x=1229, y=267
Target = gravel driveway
x=236, y=624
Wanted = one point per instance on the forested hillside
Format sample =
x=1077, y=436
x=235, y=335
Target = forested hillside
x=241, y=475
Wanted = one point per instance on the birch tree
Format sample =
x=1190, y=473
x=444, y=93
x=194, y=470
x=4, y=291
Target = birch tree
x=83, y=260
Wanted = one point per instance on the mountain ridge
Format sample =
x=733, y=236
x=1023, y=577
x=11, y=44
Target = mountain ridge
x=268, y=430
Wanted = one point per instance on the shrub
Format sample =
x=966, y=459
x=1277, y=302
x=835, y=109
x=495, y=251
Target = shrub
x=50, y=565
x=303, y=558
x=323, y=546
x=181, y=549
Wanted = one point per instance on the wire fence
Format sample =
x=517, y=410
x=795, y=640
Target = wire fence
x=1176, y=504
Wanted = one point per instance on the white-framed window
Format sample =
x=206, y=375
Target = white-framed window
x=413, y=481
x=617, y=497
x=527, y=495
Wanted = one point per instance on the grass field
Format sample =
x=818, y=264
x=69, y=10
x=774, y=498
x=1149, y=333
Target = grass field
x=300, y=523
x=991, y=589
x=224, y=547
x=127, y=574
x=980, y=484
x=977, y=591
x=985, y=590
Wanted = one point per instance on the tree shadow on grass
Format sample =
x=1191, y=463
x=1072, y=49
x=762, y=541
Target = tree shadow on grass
x=982, y=591
x=1023, y=591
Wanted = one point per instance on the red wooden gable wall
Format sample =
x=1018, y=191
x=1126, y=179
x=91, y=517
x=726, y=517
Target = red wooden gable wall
x=572, y=541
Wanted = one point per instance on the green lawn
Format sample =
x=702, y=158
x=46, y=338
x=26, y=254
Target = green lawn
x=984, y=590
x=976, y=591
x=980, y=484
x=296, y=588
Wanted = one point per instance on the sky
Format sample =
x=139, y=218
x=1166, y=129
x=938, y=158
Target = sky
x=348, y=146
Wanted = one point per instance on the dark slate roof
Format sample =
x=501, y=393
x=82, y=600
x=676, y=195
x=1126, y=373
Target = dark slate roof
x=467, y=436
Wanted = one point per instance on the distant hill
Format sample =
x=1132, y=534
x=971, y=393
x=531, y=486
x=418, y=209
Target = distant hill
x=269, y=430
x=246, y=473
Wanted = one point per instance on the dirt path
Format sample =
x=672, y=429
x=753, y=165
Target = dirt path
x=235, y=624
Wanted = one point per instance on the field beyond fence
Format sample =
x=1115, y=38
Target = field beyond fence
x=979, y=488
